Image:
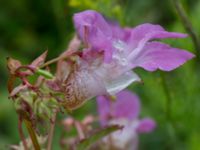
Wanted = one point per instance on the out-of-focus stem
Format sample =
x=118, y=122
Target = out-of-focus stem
x=168, y=97
x=187, y=24
x=172, y=133
x=22, y=134
x=50, y=62
x=51, y=132
x=79, y=130
x=32, y=134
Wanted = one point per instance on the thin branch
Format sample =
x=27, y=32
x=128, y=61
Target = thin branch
x=169, y=144
x=79, y=130
x=187, y=24
x=21, y=134
x=50, y=62
x=32, y=134
x=73, y=48
x=168, y=97
x=51, y=132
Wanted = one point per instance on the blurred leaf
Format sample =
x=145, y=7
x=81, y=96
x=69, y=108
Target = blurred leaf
x=44, y=73
x=86, y=143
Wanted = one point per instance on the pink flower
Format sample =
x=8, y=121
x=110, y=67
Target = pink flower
x=130, y=46
x=124, y=111
x=125, y=49
x=104, y=66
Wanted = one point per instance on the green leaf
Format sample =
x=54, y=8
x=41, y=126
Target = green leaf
x=44, y=73
x=86, y=143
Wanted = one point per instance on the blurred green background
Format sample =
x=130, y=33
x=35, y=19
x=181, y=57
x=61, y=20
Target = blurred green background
x=27, y=28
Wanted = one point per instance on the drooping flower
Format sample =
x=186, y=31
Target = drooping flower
x=124, y=111
x=104, y=66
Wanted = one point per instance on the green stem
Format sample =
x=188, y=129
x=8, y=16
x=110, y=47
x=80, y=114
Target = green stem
x=50, y=62
x=168, y=97
x=171, y=126
x=187, y=24
x=51, y=132
x=32, y=134
x=22, y=134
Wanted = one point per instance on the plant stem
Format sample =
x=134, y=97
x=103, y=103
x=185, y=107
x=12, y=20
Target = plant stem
x=21, y=134
x=168, y=97
x=32, y=134
x=51, y=132
x=50, y=62
x=187, y=24
x=79, y=130
x=172, y=129
x=64, y=55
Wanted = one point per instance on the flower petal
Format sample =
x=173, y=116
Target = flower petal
x=141, y=34
x=94, y=21
x=103, y=109
x=126, y=106
x=149, y=31
x=161, y=56
x=123, y=81
x=94, y=31
x=146, y=125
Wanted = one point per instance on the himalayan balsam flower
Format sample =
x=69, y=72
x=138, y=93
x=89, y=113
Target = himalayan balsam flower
x=124, y=111
x=104, y=66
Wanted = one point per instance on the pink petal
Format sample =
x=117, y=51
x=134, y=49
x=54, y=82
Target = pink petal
x=119, y=33
x=161, y=56
x=94, y=31
x=103, y=109
x=148, y=31
x=141, y=34
x=127, y=105
x=146, y=125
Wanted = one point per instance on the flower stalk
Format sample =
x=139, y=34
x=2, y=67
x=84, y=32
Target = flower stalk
x=54, y=60
x=21, y=134
x=32, y=134
x=51, y=132
x=168, y=96
x=187, y=24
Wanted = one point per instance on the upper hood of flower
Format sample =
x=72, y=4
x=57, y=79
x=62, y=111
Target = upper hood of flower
x=133, y=46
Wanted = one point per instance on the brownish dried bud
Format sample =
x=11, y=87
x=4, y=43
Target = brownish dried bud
x=13, y=65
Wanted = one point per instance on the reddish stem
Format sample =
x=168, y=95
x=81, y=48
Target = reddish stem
x=21, y=134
